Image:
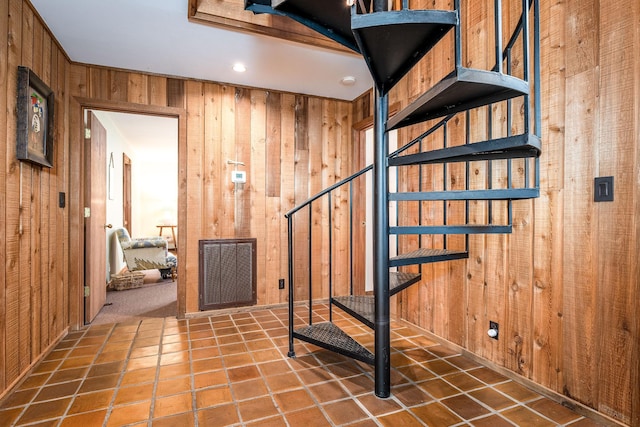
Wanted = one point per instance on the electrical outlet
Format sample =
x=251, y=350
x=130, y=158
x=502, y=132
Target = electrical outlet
x=281, y=284
x=494, y=329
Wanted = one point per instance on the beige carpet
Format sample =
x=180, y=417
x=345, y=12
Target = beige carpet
x=155, y=298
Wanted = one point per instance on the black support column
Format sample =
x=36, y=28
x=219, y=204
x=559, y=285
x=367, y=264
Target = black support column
x=381, y=248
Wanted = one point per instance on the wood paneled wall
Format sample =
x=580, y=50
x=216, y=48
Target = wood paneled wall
x=34, y=273
x=565, y=285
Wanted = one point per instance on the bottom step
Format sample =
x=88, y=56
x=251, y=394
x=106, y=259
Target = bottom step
x=329, y=336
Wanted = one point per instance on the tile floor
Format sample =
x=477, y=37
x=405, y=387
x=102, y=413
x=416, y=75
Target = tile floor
x=232, y=370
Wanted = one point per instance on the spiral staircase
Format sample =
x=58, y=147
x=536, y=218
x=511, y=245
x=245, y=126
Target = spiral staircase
x=392, y=43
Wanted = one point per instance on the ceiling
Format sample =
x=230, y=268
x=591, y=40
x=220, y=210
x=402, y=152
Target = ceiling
x=155, y=36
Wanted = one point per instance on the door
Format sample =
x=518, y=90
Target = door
x=95, y=275
x=393, y=243
x=126, y=193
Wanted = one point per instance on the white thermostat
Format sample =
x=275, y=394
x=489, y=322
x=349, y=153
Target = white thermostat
x=238, y=177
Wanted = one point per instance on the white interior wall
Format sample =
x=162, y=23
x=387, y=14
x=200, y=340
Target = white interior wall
x=154, y=182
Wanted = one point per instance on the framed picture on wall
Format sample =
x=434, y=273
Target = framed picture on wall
x=35, y=119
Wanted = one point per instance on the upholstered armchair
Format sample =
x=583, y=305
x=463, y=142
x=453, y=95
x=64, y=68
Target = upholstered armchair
x=148, y=253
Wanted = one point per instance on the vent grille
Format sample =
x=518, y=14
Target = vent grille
x=227, y=273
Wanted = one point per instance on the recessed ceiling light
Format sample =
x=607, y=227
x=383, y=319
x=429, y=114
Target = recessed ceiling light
x=348, y=81
x=239, y=67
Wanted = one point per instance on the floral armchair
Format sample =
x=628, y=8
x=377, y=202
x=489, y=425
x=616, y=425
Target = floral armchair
x=148, y=253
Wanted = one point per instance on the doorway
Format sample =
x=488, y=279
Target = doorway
x=142, y=194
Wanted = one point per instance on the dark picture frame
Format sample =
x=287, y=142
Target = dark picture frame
x=35, y=119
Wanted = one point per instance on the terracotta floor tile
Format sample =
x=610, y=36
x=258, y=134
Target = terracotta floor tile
x=491, y=421
x=144, y=342
x=223, y=415
x=266, y=355
x=206, y=365
x=410, y=395
x=277, y=421
x=172, y=405
x=134, y=393
x=249, y=389
x=310, y=417
x=521, y=415
x=173, y=386
x=359, y=384
x=142, y=362
x=235, y=368
x=465, y=407
x=585, y=422
x=554, y=411
x=344, y=412
x=243, y=373
x=139, y=376
x=177, y=370
x=213, y=397
x=438, y=388
x=487, y=376
x=99, y=383
x=204, y=353
x=436, y=414
x=184, y=419
x=37, y=380
x=314, y=376
x=463, y=363
x=44, y=410
x=328, y=391
x=76, y=362
x=517, y=392
x=236, y=360
x=98, y=370
x=95, y=418
x=440, y=367
x=144, y=351
x=274, y=367
x=282, y=382
x=67, y=375
x=209, y=379
x=463, y=381
x=175, y=347
x=293, y=400
x=378, y=406
x=175, y=357
x=8, y=416
x=128, y=414
x=253, y=409
x=492, y=398
x=85, y=351
x=57, y=390
x=399, y=419
x=415, y=373
x=90, y=402
x=19, y=398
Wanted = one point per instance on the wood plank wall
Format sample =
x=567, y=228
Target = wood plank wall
x=565, y=285
x=33, y=229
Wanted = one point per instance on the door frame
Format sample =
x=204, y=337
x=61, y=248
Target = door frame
x=77, y=107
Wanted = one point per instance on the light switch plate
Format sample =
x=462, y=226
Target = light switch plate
x=603, y=189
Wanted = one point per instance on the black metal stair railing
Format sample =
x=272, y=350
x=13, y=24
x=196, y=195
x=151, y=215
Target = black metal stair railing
x=325, y=196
